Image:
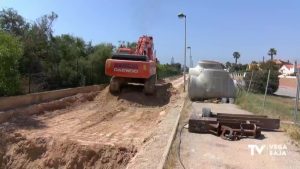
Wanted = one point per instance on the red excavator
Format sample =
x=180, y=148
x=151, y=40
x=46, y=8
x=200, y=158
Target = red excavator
x=133, y=65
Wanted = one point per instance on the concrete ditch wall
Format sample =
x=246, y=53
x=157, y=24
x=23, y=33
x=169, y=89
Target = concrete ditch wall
x=12, y=102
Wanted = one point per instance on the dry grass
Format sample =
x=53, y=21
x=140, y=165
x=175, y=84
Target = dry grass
x=275, y=106
x=293, y=131
x=172, y=160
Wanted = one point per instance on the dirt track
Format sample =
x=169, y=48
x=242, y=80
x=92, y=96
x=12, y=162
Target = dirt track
x=105, y=132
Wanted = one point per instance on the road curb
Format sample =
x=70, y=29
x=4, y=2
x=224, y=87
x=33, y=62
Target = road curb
x=170, y=141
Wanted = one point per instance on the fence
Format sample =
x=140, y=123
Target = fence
x=286, y=105
x=297, y=119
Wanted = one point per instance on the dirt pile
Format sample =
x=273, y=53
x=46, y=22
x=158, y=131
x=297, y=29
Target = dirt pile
x=16, y=151
x=92, y=130
x=55, y=105
x=61, y=103
x=132, y=95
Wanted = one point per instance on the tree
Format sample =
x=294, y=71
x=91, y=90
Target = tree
x=236, y=56
x=272, y=52
x=37, y=41
x=96, y=63
x=260, y=76
x=10, y=52
x=12, y=22
x=166, y=70
x=131, y=45
x=53, y=62
x=254, y=66
x=227, y=65
x=238, y=67
x=62, y=66
x=45, y=24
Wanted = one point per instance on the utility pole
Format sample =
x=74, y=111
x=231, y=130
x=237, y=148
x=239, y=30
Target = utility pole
x=184, y=54
x=297, y=93
x=295, y=68
x=191, y=60
x=266, y=90
x=77, y=70
x=181, y=15
x=249, y=86
x=30, y=75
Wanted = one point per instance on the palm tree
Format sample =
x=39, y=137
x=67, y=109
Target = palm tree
x=236, y=56
x=272, y=52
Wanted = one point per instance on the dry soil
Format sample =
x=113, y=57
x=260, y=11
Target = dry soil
x=94, y=130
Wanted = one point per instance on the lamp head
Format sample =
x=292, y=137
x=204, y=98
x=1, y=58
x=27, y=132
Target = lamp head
x=181, y=15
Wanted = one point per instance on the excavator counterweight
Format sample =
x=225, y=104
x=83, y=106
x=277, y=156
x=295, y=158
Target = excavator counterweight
x=133, y=65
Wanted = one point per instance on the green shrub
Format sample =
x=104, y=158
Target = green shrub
x=259, y=80
x=167, y=70
x=10, y=52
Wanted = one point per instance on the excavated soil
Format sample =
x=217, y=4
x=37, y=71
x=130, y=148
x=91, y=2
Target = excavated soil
x=94, y=130
x=17, y=151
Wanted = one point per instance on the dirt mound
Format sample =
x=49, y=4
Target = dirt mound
x=16, y=151
x=133, y=95
x=92, y=130
x=58, y=104
x=52, y=105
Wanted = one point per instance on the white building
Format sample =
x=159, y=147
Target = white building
x=288, y=69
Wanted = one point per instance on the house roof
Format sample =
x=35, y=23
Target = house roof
x=291, y=66
x=281, y=62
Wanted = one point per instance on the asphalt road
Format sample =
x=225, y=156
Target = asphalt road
x=286, y=91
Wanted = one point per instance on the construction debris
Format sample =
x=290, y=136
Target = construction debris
x=230, y=126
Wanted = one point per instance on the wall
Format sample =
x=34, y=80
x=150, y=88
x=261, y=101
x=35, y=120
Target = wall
x=288, y=81
x=11, y=102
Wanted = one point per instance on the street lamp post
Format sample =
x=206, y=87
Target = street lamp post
x=181, y=15
x=191, y=60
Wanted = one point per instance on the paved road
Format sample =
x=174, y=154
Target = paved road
x=286, y=91
x=208, y=151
